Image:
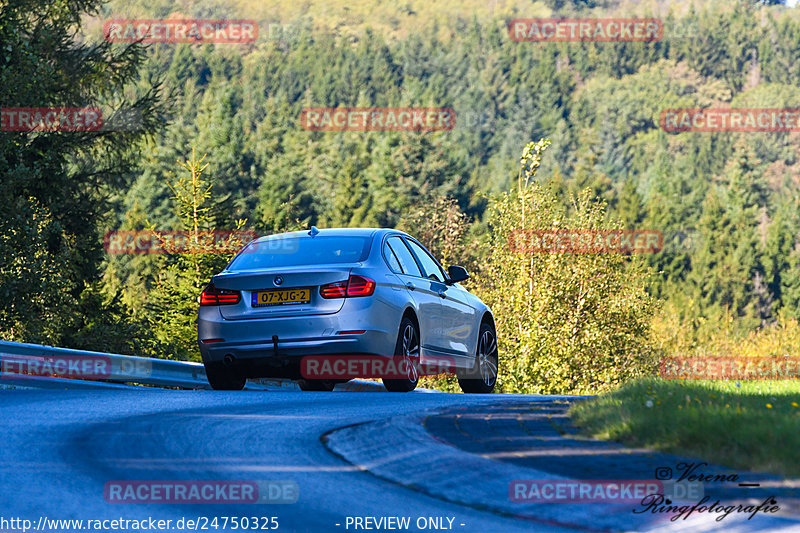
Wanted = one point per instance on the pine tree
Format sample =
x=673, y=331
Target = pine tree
x=172, y=302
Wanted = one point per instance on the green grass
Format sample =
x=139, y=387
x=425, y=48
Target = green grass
x=744, y=425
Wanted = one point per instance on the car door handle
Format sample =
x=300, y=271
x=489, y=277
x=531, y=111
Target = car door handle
x=410, y=286
x=441, y=293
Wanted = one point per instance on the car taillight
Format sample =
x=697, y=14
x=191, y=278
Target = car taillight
x=334, y=290
x=360, y=286
x=214, y=296
x=353, y=287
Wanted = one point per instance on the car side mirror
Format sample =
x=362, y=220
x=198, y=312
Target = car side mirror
x=456, y=274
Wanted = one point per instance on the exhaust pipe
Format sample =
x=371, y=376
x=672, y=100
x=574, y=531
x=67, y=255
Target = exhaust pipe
x=228, y=360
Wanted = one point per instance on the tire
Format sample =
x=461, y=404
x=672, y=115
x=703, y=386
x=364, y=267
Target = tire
x=483, y=376
x=406, y=349
x=325, y=385
x=221, y=378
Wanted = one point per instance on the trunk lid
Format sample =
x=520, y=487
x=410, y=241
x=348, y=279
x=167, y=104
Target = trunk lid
x=283, y=278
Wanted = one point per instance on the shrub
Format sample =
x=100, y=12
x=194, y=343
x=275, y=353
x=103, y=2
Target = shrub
x=566, y=322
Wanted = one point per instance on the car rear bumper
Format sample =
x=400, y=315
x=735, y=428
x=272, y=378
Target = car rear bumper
x=265, y=345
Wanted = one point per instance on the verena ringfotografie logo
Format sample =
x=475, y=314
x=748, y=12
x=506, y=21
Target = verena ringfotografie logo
x=201, y=492
x=378, y=119
x=694, y=474
x=656, y=503
x=584, y=241
x=372, y=366
x=50, y=119
x=55, y=366
x=609, y=30
x=176, y=242
x=180, y=31
x=730, y=368
x=754, y=120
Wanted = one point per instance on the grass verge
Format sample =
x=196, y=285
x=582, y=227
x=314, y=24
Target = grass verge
x=743, y=425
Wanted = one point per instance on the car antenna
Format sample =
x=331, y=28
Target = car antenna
x=313, y=231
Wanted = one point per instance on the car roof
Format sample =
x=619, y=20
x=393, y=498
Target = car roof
x=336, y=232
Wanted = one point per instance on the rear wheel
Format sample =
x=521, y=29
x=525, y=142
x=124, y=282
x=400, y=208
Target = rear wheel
x=407, y=356
x=482, y=377
x=222, y=378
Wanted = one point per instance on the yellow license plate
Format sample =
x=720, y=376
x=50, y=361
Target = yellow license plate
x=280, y=297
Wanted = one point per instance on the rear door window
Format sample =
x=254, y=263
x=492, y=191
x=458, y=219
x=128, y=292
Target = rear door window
x=432, y=269
x=404, y=257
x=391, y=260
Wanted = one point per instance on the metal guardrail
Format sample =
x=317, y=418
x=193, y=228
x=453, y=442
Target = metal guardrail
x=96, y=366
x=38, y=365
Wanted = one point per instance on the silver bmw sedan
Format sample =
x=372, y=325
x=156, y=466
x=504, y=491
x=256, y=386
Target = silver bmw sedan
x=343, y=295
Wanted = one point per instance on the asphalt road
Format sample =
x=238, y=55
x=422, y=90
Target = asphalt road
x=60, y=449
x=350, y=461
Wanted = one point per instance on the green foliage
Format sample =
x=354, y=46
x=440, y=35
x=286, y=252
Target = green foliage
x=566, y=322
x=55, y=186
x=105, y=324
x=36, y=304
x=442, y=228
x=726, y=269
x=171, y=309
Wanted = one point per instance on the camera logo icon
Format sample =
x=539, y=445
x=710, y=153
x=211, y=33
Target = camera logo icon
x=663, y=472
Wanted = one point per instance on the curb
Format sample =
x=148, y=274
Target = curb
x=401, y=451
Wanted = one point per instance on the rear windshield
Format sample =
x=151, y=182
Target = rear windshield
x=296, y=251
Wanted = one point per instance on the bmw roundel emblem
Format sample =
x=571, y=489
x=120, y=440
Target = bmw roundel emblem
x=278, y=280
